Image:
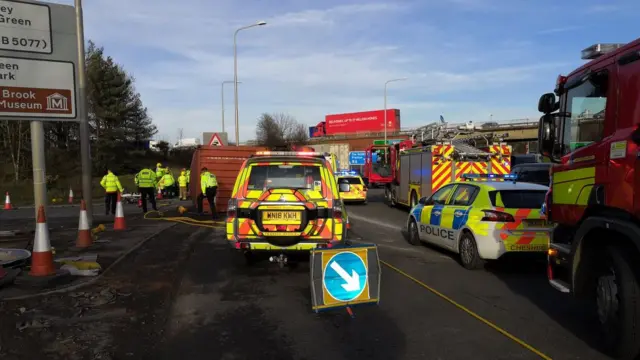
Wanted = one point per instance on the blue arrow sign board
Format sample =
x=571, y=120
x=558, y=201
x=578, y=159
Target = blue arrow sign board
x=356, y=158
x=344, y=276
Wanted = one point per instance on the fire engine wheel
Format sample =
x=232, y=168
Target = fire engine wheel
x=468, y=250
x=618, y=303
x=412, y=233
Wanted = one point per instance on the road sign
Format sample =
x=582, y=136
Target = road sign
x=37, y=88
x=356, y=157
x=344, y=276
x=215, y=140
x=389, y=142
x=26, y=27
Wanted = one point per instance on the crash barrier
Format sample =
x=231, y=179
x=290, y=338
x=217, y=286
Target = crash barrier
x=344, y=276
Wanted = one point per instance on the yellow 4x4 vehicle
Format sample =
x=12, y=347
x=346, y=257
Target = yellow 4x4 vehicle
x=357, y=189
x=285, y=203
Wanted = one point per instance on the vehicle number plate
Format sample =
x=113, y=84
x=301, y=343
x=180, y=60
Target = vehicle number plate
x=281, y=216
x=535, y=223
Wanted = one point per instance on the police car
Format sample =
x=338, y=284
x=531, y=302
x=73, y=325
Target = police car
x=356, y=191
x=482, y=219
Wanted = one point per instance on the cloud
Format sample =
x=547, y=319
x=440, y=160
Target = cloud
x=602, y=8
x=559, y=30
x=315, y=58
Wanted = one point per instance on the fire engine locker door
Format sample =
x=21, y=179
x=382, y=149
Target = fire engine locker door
x=405, y=171
x=425, y=172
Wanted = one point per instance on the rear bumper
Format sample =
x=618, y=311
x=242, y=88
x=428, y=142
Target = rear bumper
x=559, y=267
x=264, y=246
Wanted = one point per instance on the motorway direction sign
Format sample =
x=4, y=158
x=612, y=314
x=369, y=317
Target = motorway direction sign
x=356, y=157
x=37, y=88
x=344, y=276
x=25, y=27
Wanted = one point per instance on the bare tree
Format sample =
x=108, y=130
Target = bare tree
x=14, y=138
x=280, y=129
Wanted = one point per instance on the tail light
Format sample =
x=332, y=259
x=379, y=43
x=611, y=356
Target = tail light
x=232, y=208
x=497, y=216
x=337, y=210
x=281, y=227
x=364, y=188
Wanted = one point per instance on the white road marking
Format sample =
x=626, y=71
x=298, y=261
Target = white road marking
x=376, y=222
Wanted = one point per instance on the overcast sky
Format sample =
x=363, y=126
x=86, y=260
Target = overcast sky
x=465, y=59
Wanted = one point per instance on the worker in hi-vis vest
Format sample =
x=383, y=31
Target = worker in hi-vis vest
x=112, y=186
x=209, y=187
x=146, y=182
x=182, y=184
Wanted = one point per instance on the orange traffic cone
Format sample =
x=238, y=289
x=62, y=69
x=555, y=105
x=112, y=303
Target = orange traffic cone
x=42, y=256
x=7, y=202
x=84, y=233
x=70, y=196
x=119, y=223
x=159, y=197
x=140, y=203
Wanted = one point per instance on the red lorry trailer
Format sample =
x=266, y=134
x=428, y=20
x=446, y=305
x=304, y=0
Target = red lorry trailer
x=362, y=122
x=592, y=134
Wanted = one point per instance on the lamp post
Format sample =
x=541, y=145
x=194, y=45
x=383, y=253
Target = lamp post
x=222, y=98
x=235, y=73
x=385, y=106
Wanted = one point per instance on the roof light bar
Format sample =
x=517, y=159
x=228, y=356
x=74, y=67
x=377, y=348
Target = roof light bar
x=289, y=153
x=597, y=50
x=347, y=173
x=512, y=177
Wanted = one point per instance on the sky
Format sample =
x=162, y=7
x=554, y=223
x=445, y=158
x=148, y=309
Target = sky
x=464, y=59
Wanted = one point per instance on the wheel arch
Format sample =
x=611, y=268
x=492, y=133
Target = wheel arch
x=589, y=241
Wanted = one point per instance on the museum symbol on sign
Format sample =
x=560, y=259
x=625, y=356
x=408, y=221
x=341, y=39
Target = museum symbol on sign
x=57, y=102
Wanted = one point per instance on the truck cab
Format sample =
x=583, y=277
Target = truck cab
x=591, y=130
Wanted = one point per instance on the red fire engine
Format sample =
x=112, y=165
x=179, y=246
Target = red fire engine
x=592, y=134
x=378, y=166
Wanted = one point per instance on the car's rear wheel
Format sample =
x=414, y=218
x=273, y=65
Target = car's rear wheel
x=468, y=251
x=413, y=236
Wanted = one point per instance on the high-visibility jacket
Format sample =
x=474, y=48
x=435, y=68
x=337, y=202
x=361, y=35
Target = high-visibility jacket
x=188, y=175
x=159, y=172
x=207, y=180
x=146, y=178
x=182, y=180
x=111, y=183
x=167, y=180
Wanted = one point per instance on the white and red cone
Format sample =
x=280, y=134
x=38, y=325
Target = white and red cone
x=7, y=202
x=70, y=196
x=42, y=256
x=84, y=233
x=119, y=223
x=159, y=197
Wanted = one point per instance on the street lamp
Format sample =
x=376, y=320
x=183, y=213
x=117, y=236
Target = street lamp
x=235, y=74
x=222, y=98
x=385, y=106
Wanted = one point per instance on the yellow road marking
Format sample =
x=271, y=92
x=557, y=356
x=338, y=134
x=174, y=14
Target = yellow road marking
x=461, y=307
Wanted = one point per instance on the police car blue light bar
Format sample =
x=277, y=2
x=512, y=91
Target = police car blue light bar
x=512, y=177
x=347, y=173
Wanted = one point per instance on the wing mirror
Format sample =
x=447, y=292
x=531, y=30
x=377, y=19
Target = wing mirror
x=423, y=201
x=547, y=103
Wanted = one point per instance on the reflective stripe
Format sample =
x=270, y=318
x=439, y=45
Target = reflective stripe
x=573, y=187
x=146, y=178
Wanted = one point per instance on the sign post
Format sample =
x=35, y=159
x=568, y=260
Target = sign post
x=344, y=276
x=38, y=57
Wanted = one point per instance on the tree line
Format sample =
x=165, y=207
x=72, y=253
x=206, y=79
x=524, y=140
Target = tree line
x=118, y=120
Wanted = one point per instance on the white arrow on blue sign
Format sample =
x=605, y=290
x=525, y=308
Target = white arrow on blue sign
x=345, y=276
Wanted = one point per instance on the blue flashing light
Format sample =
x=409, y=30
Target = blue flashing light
x=347, y=173
x=512, y=177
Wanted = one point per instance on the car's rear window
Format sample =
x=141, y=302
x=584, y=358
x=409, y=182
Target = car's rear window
x=524, y=199
x=350, y=180
x=538, y=176
x=284, y=176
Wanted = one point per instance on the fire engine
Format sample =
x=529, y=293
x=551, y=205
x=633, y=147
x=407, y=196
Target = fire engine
x=592, y=133
x=377, y=166
x=420, y=170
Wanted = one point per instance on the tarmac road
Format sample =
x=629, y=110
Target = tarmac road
x=229, y=311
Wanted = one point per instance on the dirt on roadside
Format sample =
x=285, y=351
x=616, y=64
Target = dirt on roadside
x=121, y=316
